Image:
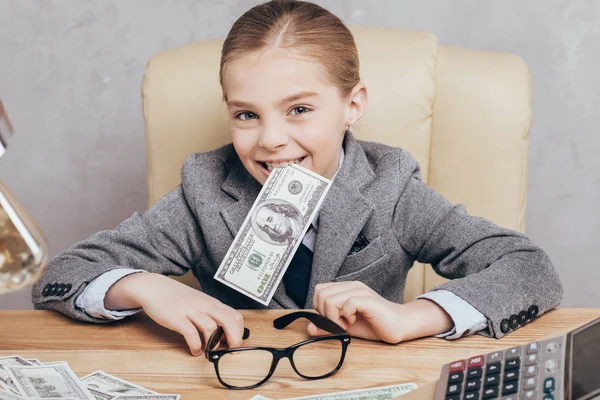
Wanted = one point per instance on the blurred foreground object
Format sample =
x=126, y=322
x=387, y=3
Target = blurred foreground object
x=23, y=248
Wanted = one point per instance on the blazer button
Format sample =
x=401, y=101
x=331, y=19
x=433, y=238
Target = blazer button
x=46, y=290
x=53, y=289
x=505, y=326
x=523, y=317
x=68, y=288
x=60, y=289
x=514, y=321
x=533, y=312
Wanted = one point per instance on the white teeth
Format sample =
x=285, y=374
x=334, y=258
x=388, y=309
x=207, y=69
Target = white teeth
x=271, y=166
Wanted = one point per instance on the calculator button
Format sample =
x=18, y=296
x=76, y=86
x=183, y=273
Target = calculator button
x=456, y=377
x=530, y=383
x=490, y=393
x=491, y=380
x=493, y=368
x=551, y=366
x=552, y=347
x=471, y=396
x=512, y=353
x=530, y=371
x=457, y=366
x=529, y=395
x=474, y=384
x=474, y=373
x=511, y=375
x=549, y=385
x=532, y=359
x=548, y=397
x=512, y=397
x=512, y=364
x=476, y=362
x=454, y=388
x=533, y=347
x=495, y=356
x=453, y=397
x=510, y=388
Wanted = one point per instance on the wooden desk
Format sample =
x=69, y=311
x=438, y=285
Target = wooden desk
x=140, y=351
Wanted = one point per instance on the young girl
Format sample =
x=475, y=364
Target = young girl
x=290, y=80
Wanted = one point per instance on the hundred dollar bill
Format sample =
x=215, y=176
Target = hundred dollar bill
x=376, y=393
x=34, y=361
x=11, y=396
x=56, y=380
x=100, y=395
x=5, y=380
x=150, y=397
x=272, y=231
x=109, y=384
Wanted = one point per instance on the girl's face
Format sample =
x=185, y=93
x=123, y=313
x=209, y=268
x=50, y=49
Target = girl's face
x=284, y=109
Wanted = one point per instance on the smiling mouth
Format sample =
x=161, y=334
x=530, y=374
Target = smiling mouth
x=270, y=166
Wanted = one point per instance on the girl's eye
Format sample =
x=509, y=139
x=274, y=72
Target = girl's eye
x=246, y=115
x=299, y=110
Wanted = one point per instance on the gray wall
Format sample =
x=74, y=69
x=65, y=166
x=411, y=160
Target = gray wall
x=70, y=75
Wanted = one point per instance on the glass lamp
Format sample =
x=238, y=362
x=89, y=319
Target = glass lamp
x=23, y=247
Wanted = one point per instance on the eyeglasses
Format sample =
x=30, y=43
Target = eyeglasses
x=315, y=358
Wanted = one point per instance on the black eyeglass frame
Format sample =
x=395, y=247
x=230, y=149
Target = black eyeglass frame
x=320, y=321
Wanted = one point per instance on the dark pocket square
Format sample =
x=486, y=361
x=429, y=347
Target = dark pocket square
x=360, y=243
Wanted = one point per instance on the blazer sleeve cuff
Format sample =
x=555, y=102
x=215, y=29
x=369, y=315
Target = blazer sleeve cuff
x=91, y=300
x=467, y=320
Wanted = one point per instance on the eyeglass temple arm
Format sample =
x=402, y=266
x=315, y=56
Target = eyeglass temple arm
x=216, y=336
x=320, y=321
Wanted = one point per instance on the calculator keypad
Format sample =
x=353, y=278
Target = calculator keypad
x=530, y=372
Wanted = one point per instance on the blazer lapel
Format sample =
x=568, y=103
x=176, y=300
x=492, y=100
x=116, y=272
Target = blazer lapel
x=344, y=213
x=244, y=189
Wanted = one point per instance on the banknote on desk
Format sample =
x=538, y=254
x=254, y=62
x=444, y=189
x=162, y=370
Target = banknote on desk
x=375, y=393
x=272, y=231
x=32, y=379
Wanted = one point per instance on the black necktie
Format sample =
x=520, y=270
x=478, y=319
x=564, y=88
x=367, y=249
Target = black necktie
x=297, y=275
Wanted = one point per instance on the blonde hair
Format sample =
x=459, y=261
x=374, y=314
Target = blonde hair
x=301, y=26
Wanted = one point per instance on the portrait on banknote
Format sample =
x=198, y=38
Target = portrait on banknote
x=277, y=222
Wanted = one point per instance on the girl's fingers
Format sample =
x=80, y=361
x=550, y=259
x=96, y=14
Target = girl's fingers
x=318, y=297
x=334, y=304
x=205, y=324
x=233, y=326
x=192, y=336
x=324, y=291
x=364, y=305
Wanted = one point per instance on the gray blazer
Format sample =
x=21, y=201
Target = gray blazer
x=378, y=192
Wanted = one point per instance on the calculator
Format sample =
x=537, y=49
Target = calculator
x=565, y=367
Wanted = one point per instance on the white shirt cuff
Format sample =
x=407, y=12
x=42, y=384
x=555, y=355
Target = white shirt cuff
x=91, y=300
x=467, y=320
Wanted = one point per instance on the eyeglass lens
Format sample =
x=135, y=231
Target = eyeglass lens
x=311, y=360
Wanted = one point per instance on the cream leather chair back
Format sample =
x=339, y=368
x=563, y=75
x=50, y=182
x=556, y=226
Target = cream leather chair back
x=463, y=114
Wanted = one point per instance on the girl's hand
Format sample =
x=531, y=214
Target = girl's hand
x=365, y=314
x=178, y=307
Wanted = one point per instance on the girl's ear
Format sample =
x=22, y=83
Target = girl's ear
x=357, y=103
